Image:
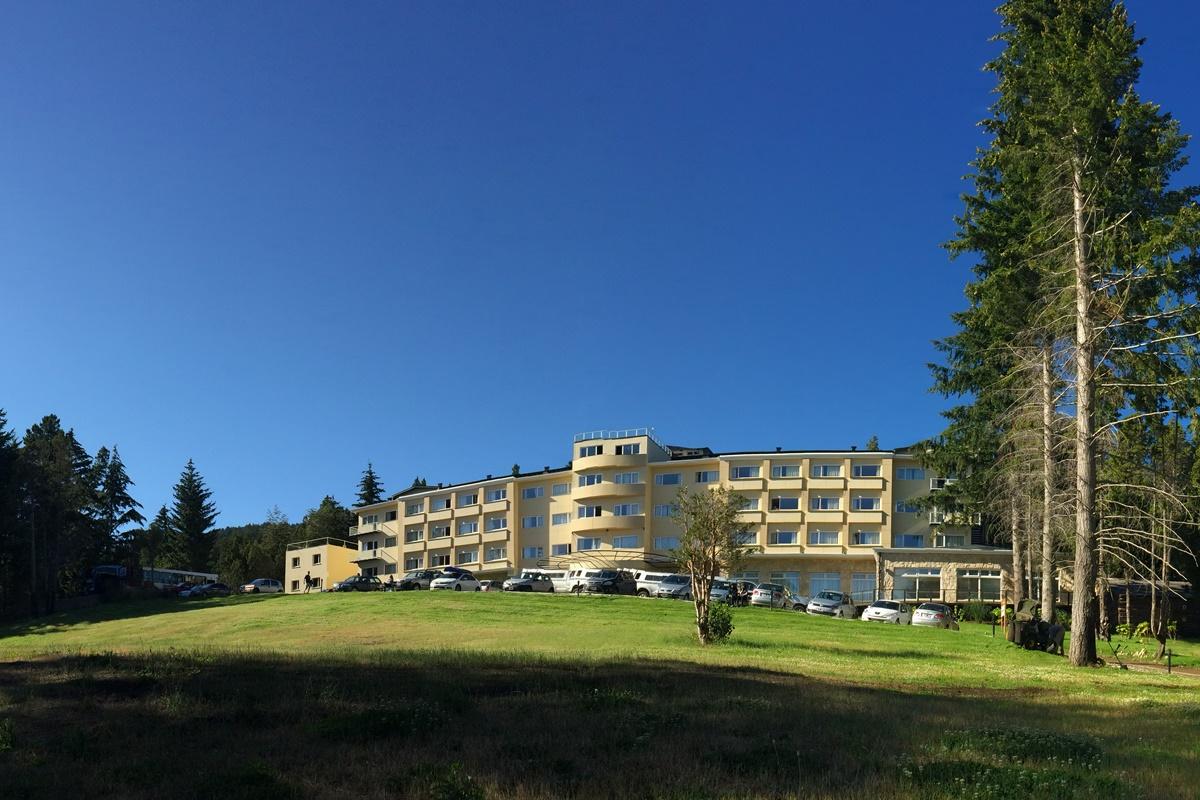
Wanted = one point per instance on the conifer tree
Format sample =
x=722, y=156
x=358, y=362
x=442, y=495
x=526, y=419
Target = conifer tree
x=370, y=488
x=191, y=518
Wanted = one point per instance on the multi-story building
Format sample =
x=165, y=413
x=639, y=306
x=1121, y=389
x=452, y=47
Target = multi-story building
x=827, y=519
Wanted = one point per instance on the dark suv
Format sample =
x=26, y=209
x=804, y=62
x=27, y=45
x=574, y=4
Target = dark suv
x=611, y=581
x=359, y=583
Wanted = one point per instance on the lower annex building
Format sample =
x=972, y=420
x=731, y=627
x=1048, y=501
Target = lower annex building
x=844, y=520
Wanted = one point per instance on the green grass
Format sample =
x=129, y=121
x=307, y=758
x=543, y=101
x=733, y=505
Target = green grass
x=490, y=695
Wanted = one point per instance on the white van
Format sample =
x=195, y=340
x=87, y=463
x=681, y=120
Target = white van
x=555, y=575
x=575, y=577
x=647, y=582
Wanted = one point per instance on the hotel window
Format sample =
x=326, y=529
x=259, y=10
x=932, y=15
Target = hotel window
x=560, y=519
x=824, y=582
x=785, y=503
x=666, y=542
x=866, y=471
x=862, y=586
x=316, y=559
x=589, y=543
x=532, y=492
x=414, y=562
x=744, y=472
x=317, y=583
x=414, y=508
x=822, y=537
x=905, y=507
x=909, y=540
x=819, y=503
x=497, y=523
x=789, y=579
x=910, y=474
x=468, y=526
x=296, y=562
x=371, y=571
x=560, y=549
x=295, y=586
x=918, y=583
x=413, y=535
x=590, y=479
x=707, y=476
x=627, y=477
x=785, y=471
x=668, y=479
x=950, y=540
x=664, y=510
x=496, y=553
x=389, y=569
x=746, y=537
x=439, y=560
x=865, y=503
x=389, y=541
x=440, y=504
x=626, y=542
x=749, y=504
x=372, y=545
x=532, y=552
x=826, y=471
x=468, y=499
x=370, y=519
x=439, y=532
x=978, y=584
x=588, y=511
x=533, y=522
x=589, y=450
x=559, y=489
x=468, y=556
x=866, y=537
x=629, y=449
x=389, y=516
x=627, y=509
x=783, y=537
x=492, y=495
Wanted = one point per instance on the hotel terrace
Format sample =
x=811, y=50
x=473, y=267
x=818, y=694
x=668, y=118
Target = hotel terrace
x=824, y=519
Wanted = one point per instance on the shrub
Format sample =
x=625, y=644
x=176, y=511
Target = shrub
x=976, y=611
x=6, y=735
x=1063, y=618
x=720, y=622
x=1142, y=630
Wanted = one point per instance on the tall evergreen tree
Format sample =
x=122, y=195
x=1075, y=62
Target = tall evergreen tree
x=191, y=518
x=152, y=541
x=370, y=488
x=14, y=534
x=115, y=506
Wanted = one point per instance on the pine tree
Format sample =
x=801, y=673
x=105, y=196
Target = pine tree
x=370, y=488
x=191, y=518
x=873, y=443
x=330, y=519
x=14, y=535
x=153, y=540
x=116, y=507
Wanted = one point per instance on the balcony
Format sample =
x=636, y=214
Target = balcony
x=873, y=483
x=826, y=516
x=496, y=506
x=608, y=522
x=374, y=554
x=498, y=535
x=608, y=489
x=608, y=461
x=834, y=483
x=441, y=514
x=868, y=516
x=469, y=510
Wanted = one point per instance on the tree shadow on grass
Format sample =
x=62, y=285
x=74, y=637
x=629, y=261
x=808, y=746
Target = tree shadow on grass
x=122, y=609
x=474, y=725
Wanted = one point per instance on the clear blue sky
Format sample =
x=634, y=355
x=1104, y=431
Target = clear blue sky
x=284, y=239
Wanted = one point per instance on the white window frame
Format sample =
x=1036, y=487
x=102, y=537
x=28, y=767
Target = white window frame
x=628, y=541
x=708, y=476
x=668, y=479
x=533, y=492
x=533, y=551
x=490, y=523
x=588, y=512
x=745, y=472
x=660, y=542
x=910, y=474
x=774, y=537
x=856, y=471
x=468, y=527
x=858, y=535
x=825, y=471
x=560, y=519
x=627, y=509
x=871, y=502
x=627, y=478
x=592, y=542
x=818, y=537
x=559, y=489
x=496, y=495
x=591, y=478
x=629, y=449
x=825, y=502
x=533, y=521
x=786, y=471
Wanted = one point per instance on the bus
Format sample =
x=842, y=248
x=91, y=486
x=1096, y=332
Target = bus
x=170, y=578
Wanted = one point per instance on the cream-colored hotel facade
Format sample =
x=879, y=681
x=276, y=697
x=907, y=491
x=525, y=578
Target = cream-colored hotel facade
x=843, y=520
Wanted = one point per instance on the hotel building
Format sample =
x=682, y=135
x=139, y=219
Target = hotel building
x=823, y=519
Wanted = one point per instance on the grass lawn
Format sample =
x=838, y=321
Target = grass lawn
x=490, y=695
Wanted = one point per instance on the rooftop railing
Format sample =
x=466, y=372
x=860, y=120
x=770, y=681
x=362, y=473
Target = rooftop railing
x=325, y=540
x=627, y=433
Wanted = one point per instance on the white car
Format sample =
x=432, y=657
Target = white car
x=935, y=615
x=675, y=587
x=574, y=580
x=647, y=582
x=892, y=611
x=771, y=595
x=458, y=581
x=262, y=586
x=832, y=604
x=529, y=582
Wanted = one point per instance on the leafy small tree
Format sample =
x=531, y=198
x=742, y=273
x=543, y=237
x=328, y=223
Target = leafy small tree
x=710, y=544
x=370, y=488
x=330, y=519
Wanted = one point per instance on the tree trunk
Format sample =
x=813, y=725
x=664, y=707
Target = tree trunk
x=1018, y=561
x=1105, y=622
x=1128, y=608
x=1083, y=609
x=1048, y=599
x=1164, y=602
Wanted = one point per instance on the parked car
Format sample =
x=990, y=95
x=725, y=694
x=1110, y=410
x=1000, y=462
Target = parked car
x=722, y=591
x=935, y=615
x=489, y=586
x=675, y=587
x=611, y=581
x=800, y=602
x=416, y=579
x=459, y=581
x=262, y=586
x=771, y=595
x=573, y=580
x=832, y=604
x=529, y=581
x=358, y=583
x=647, y=582
x=206, y=590
x=892, y=611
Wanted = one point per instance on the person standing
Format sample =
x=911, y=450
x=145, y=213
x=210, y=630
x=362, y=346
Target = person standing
x=307, y=582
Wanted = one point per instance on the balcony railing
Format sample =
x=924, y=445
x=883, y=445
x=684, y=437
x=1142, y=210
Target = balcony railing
x=326, y=540
x=373, y=554
x=940, y=516
x=628, y=433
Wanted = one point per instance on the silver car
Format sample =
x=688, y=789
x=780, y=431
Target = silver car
x=771, y=595
x=675, y=587
x=529, y=582
x=832, y=604
x=935, y=615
